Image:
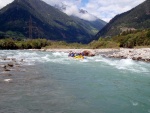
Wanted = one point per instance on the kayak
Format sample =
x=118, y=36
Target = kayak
x=79, y=57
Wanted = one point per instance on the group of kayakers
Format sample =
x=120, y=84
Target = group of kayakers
x=81, y=55
x=76, y=55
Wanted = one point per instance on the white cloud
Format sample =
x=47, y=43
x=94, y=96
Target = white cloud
x=73, y=10
x=69, y=2
x=4, y=3
x=104, y=9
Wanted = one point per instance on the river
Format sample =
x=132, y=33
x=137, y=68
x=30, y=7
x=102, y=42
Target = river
x=51, y=82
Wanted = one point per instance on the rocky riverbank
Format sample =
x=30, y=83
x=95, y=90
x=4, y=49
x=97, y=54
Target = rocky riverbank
x=134, y=54
x=142, y=54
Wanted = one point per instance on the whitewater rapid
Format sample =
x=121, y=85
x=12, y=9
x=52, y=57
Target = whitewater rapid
x=33, y=57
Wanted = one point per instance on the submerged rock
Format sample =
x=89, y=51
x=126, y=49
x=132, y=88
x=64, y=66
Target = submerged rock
x=10, y=64
x=7, y=74
x=6, y=69
x=4, y=66
x=6, y=59
x=21, y=60
x=13, y=59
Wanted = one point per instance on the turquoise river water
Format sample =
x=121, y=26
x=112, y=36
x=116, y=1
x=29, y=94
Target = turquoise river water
x=50, y=82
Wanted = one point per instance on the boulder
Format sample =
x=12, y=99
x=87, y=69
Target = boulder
x=6, y=59
x=87, y=53
x=14, y=60
x=6, y=69
x=134, y=58
x=139, y=58
x=4, y=66
x=10, y=64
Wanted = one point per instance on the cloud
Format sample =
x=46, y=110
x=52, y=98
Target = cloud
x=69, y=2
x=72, y=8
x=104, y=9
x=4, y=3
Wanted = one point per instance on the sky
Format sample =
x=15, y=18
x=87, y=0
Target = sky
x=103, y=9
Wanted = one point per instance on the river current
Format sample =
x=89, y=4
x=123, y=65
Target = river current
x=51, y=82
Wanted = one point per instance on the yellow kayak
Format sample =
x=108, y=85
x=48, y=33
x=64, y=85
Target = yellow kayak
x=79, y=57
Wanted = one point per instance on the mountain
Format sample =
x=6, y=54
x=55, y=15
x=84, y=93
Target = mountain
x=92, y=26
x=134, y=19
x=35, y=18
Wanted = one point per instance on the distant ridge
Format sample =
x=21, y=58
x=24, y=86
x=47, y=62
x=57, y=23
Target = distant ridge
x=92, y=26
x=136, y=18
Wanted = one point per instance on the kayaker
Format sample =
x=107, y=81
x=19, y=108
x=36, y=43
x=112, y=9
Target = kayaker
x=71, y=54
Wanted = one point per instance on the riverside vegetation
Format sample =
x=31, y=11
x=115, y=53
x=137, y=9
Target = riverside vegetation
x=9, y=43
x=128, y=39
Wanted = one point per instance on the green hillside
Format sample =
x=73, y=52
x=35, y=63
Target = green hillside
x=135, y=19
x=92, y=27
x=47, y=22
x=128, y=39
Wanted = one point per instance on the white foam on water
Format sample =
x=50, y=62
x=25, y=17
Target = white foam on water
x=60, y=54
x=84, y=60
x=134, y=103
x=31, y=57
x=55, y=57
x=8, y=80
x=28, y=57
x=3, y=61
x=62, y=57
x=129, y=64
x=57, y=54
x=124, y=64
x=45, y=58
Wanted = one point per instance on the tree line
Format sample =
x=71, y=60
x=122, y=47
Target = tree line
x=9, y=43
x=128, y=39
